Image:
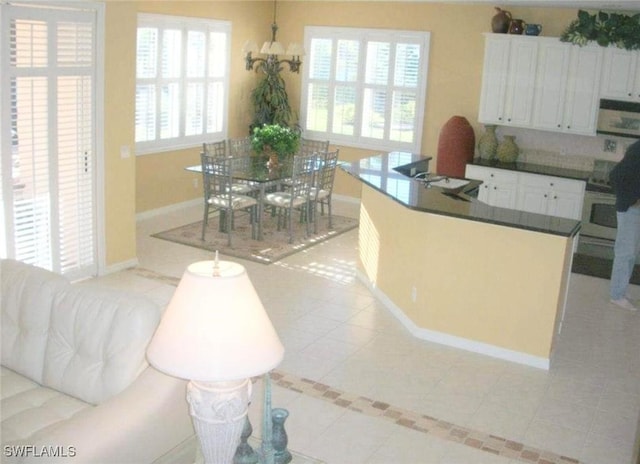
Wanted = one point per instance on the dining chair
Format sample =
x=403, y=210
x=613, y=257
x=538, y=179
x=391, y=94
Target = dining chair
x=240, y=147
x=322, y=190
x=215, y=149
x=308, y=146
x=219, y=195
x=298, y=193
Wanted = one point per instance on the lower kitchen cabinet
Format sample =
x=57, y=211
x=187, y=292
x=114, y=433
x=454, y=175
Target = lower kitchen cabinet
x=533, y=193
x=553, y=196
x=498, y=187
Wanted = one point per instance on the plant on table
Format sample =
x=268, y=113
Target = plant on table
x=281, y=140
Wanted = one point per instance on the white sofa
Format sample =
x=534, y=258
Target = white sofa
x=75, y=383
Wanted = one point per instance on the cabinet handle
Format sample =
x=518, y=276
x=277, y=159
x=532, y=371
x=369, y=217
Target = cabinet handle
x=555, y=197
x=568, y=127
x=545, y=195
x=495, y=188
x=551, y=184
x=559, y=126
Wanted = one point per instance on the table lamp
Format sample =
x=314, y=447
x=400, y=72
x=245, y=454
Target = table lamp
x=216, y=333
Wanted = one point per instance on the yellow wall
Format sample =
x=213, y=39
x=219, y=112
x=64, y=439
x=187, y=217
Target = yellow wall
x=481, y=282
x=154, y=181
x=119, y=126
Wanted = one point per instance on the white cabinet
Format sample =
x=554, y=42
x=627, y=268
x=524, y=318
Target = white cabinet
x=553, y=196
x=498, y=186
x=621, y=74
x=508, y=80
x=532, y=193
x=567, y=83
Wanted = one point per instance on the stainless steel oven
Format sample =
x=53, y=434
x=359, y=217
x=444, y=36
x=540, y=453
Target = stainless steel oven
x=599, y=215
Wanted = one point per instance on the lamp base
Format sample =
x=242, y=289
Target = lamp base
x=218, y=411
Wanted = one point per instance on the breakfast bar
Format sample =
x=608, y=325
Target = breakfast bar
x=457, y=271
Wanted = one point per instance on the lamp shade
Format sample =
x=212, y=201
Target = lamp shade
x=215, y=327
x=249, y=47
x=295, y=49
x=272, y=48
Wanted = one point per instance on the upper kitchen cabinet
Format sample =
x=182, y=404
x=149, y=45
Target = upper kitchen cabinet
x=508, y=80
x=621, y=75
x=540, y=83
x=567, y=87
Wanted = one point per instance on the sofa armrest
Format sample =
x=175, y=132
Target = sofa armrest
x=142, y=423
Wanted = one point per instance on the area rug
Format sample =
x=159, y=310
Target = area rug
x=599, y=267
x=274, y=246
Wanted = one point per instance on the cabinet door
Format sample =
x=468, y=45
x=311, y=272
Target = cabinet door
x=565, y=204
x=532, y=198
x=581, y=107
x=619, y=76
x=553, y=68
x=503, y=195
x=523, y=58
x=494, y=79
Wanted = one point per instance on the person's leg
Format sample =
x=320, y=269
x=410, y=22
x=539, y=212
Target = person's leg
x=626, y=249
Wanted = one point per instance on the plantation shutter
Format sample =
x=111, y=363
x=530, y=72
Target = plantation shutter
x=48, y=145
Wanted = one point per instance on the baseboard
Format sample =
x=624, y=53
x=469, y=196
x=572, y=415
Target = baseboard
x=121, y=266
x=451, y=340
x=168, y=209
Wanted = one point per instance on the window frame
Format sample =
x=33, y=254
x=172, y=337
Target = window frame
x=185, y=25
x=363, y=36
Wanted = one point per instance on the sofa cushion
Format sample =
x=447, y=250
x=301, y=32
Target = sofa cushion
x=27, y=295
x=29, y=408
x=97, y=341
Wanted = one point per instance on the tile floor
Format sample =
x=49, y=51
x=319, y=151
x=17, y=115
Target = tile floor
x=395, y=399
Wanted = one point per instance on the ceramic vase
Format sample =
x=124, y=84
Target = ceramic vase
x=501, y=21
x=508, y=150
x=488, y=143
x=279, y=439
x=455, y=147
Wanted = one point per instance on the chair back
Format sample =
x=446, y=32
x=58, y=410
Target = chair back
x=303, y=175
x=216, y=149
x=328, y=161
x=217, y=179
x=240, y=147
x=308, y=146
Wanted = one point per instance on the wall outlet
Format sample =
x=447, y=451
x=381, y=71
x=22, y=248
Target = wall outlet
x=414, y=294
x=610, y=145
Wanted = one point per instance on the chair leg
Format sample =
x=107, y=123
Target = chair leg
x=229, y=226
x=205, y=220
x=329, y=212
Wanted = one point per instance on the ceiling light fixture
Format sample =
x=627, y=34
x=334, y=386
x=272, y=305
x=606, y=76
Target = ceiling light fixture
x=272, y=49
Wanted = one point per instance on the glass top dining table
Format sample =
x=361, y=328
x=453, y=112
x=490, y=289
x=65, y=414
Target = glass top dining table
x=260, y=175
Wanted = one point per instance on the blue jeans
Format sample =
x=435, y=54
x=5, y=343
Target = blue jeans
x=626, y=250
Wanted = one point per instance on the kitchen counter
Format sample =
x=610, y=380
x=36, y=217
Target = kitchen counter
x=536, y=169
x=380, y=172
x=456, y=271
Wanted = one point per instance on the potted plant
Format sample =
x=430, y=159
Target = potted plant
x=606, y=29
x=269, y=98
x=273, y=139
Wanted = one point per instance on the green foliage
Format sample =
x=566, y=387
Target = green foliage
x=606, y=29
x=283, y=140
x=270, y=99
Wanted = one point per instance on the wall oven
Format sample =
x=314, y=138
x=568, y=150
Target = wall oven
x=599, y=216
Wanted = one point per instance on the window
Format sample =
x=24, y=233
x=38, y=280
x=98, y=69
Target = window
x=181, y=82
x=48, y=123
x=365, y=87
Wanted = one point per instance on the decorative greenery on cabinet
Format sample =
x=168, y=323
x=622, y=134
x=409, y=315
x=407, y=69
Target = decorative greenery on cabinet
x=606, y=29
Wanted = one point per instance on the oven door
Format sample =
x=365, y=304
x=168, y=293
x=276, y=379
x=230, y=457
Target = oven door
x=599, y=218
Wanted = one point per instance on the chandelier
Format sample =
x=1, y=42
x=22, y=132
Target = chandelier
x=272, y=49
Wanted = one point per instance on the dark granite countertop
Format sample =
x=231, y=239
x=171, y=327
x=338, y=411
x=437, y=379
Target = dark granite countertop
x=535, y=169
x=378, y=172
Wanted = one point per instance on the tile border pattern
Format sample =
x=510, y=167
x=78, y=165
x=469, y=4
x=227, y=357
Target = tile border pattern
x=432, y=426
x=420, y=422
